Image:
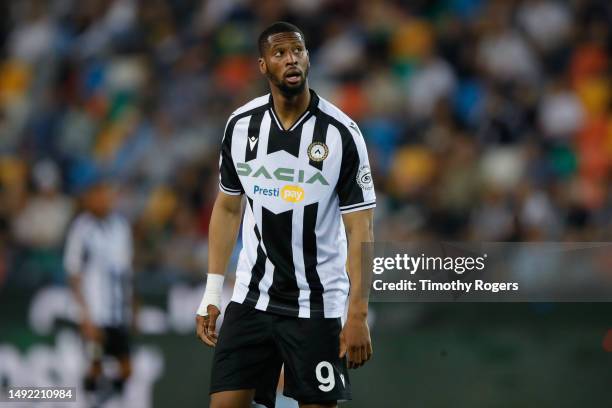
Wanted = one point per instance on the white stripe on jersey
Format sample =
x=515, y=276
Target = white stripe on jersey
x=239, y=143
x=248, y=251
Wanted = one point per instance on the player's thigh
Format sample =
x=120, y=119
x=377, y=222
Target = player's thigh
x=314, y=373
x=125, y=365
x=232, y=399
x=246, y=356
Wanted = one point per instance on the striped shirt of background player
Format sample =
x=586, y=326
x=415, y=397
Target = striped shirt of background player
x=300, y=254
x=100, y=251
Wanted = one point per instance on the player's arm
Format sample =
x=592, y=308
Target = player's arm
x=75, y=287
x=223, y=231
x=88, y=329
x=355, y=336
x=135, y=299
x=356, y=198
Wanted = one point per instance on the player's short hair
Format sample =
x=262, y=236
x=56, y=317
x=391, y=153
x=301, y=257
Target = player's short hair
x=276, y=28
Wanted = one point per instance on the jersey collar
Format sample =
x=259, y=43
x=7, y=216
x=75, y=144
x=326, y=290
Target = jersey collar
x=310, y=110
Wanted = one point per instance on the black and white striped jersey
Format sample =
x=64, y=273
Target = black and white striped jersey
x=297, y=184
x=100, y=252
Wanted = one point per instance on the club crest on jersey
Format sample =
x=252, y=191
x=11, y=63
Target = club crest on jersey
x=364, y=177
x=317, y=151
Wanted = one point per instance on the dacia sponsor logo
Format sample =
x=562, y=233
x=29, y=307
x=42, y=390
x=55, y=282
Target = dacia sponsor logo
x=281, y=174
x=292, y=194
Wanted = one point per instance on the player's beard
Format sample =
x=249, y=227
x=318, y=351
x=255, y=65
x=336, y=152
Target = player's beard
x=286, y=89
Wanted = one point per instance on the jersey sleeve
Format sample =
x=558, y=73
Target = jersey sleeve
x=75, y=252
x=355, y=185
x=229, y=182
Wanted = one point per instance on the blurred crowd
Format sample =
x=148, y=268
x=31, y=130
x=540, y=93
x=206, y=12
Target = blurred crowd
x=485, y=120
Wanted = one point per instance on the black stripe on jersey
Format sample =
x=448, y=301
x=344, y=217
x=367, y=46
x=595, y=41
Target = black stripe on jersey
x=253, y=136
x=112, y=304
x=348, y=190
x=85, y=255
x=288, y=141
x=319, y=135
x=276, y=234
x=127, y=292
x=229, y=176
x=309, y=246
x=259, y=269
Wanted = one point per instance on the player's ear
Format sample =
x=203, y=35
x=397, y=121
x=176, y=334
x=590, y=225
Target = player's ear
x=262, y=66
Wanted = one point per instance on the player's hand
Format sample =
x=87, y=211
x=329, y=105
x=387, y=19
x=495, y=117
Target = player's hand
x=355, y=342
x=206, y=325
x=90, y=331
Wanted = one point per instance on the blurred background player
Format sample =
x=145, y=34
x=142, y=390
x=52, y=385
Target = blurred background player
x=98, y=259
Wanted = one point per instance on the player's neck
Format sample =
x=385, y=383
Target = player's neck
x=99, y=215
x=290, y=108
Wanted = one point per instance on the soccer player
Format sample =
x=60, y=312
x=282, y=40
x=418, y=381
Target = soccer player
x=98, y=259
x=303, y=168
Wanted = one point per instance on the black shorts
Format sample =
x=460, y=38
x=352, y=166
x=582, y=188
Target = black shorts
x=116, y=341
x=253, y=345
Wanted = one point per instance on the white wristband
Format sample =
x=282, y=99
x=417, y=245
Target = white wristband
x=212, y=293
